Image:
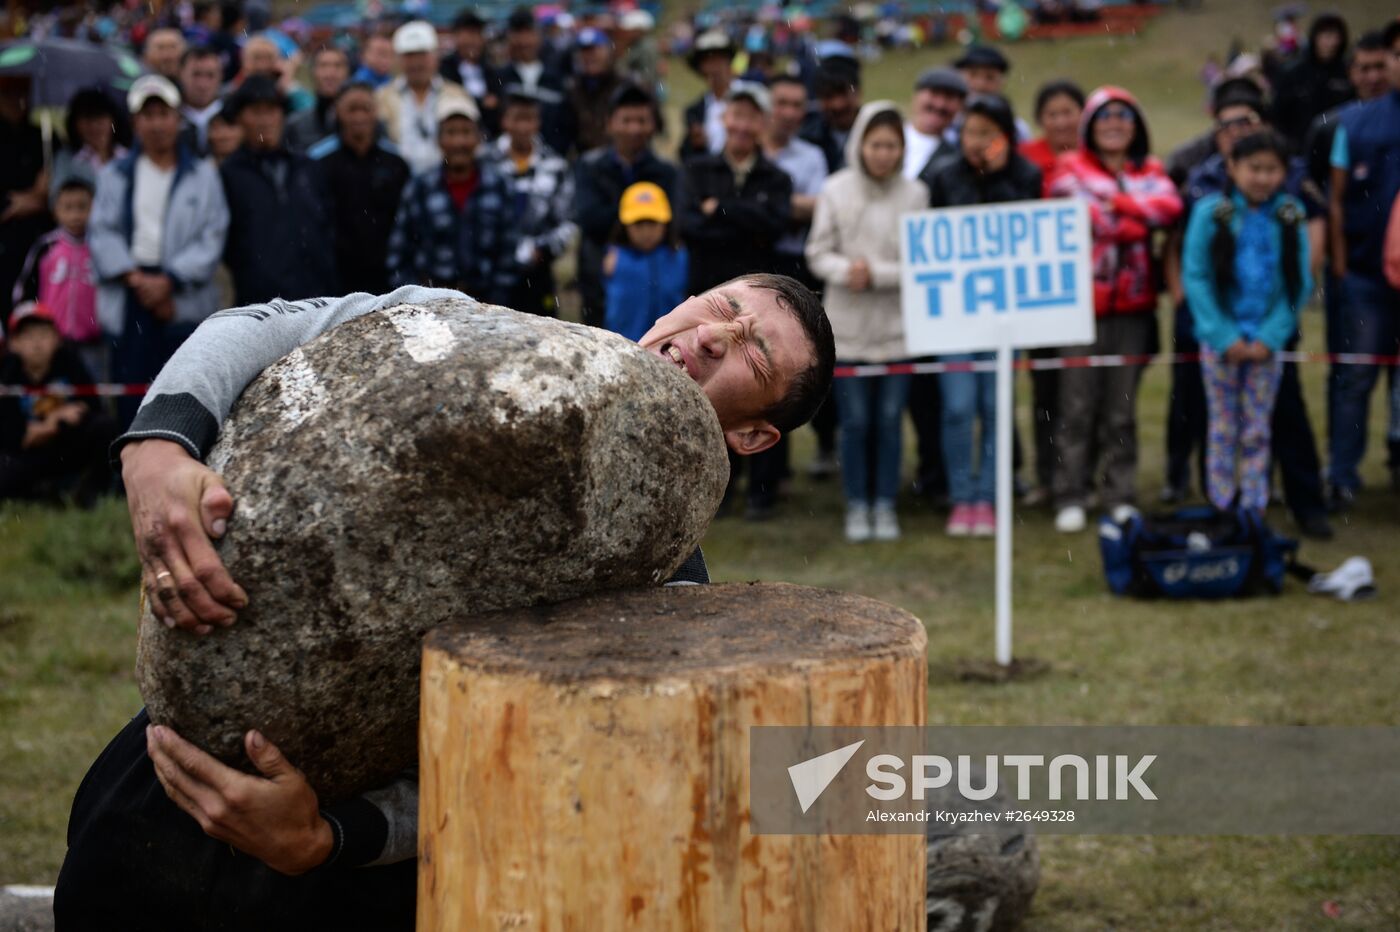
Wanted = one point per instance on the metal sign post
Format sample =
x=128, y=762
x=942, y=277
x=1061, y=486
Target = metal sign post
x=998, y=277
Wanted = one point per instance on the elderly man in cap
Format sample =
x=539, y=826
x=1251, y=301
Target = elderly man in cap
x=712, y=58
x=279, y=240
x=453, y=220
x=985, y=68
x=408, y=103
x=157, y=231
x=929, y=134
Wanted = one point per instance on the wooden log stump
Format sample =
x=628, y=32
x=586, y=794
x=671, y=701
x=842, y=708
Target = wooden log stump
x=585, y=765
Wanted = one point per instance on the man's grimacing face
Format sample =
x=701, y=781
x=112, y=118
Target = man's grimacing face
x=743, y=348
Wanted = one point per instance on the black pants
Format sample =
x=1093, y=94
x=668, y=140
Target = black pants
x=592, y=291
x=534, y=293
x=137, y=862
x=926, y=412
x=766, y=470
x=1186, y=408
x=1294, y=447
x=76, y=460
x=141, y=350
x=1045, y=407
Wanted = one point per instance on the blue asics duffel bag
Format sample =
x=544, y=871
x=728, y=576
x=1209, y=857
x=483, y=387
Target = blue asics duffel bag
x=1194, y=553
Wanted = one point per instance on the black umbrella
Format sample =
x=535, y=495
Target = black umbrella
x=59, y=68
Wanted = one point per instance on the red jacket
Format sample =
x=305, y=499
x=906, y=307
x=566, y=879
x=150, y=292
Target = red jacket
x=1039, y=154
x=1392, y=246
x=1124, y=210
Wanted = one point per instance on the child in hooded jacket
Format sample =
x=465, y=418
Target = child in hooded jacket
x=1246, y=274
x=854, y=249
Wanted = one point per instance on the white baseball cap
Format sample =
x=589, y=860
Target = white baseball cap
x=638, y=20
x=152, y=86
x=451, y=105
x=753, y=92
x=417, y=36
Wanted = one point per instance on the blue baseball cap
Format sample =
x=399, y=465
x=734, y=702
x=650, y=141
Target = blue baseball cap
x=592, y=38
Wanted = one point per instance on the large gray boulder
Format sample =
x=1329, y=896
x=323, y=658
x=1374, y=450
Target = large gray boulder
x=414, y=466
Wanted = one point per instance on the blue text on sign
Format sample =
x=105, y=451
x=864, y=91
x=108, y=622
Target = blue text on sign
x=1034, y=250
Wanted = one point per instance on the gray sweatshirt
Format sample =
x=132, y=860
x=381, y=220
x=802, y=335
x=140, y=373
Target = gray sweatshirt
x=187, y=404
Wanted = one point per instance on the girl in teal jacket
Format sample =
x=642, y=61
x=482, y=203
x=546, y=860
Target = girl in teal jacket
x=1245, y=270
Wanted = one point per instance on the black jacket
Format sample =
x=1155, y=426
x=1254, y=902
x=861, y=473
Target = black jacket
x=955, y=183
x=15, y=412
x=308, y=127
x=1308, y=88
x=738, y=237
x=362, y=194
x=558, y=125
x=279, y=234
x=599, y=180
x=693, y=115
x=816, y=130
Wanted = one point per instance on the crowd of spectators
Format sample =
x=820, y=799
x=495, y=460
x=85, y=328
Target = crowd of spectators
x=478, y=159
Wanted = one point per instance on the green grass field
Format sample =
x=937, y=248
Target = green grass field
x=68, y=621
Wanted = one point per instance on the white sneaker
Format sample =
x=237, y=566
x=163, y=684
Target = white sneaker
x=857, y=522
x=886, y=523
x=1070, y=520
x=1122, y=513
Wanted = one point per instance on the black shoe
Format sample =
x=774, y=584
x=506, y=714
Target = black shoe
x=1315, y=526
x=1341, y=500
x=1172, y=495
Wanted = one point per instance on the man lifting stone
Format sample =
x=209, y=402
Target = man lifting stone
x=163, y=835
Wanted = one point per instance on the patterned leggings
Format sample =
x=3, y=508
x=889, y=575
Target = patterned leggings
x=1240, y=402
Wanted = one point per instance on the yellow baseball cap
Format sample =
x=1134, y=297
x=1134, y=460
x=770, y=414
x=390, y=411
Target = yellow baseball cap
x=644, y=201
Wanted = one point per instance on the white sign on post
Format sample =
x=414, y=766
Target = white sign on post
x=998, y=277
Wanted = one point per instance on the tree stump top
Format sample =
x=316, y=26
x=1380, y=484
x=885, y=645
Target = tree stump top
x=653, y=633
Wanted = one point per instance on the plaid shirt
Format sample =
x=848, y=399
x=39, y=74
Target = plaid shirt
x=435, y=244
x=541, y=204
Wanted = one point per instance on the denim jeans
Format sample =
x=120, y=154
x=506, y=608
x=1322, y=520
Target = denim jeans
x=871, y=409
x=968, y=397
x=1365, y=322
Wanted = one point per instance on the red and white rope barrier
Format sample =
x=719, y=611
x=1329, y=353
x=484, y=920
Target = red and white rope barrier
x=115, y=390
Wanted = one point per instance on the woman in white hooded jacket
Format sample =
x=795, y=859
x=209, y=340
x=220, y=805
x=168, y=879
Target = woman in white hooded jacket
x=854, y=249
